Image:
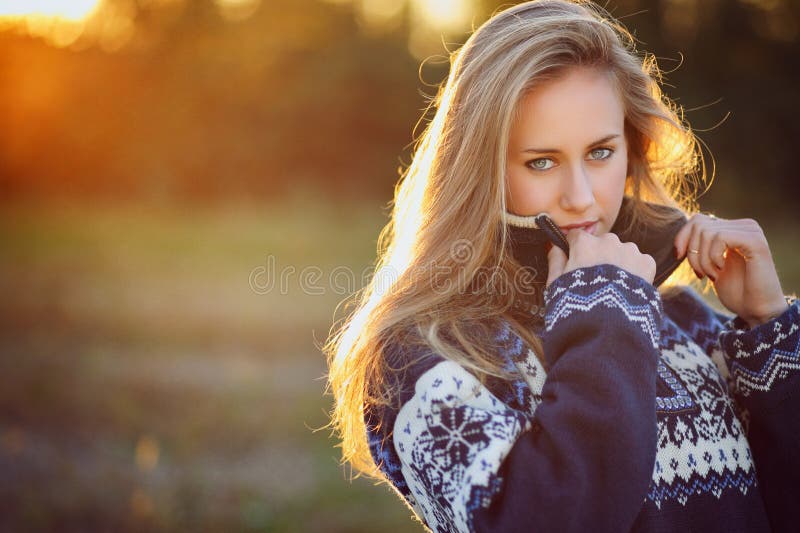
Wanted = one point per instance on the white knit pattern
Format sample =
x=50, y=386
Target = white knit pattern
x=699, y=448
x=452, y=436
x=615, y=295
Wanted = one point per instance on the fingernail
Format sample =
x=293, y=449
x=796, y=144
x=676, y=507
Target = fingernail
x=712, y=278
x=698, y=274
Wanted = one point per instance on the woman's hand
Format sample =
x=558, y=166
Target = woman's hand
x=587, y=250
x=735, y=256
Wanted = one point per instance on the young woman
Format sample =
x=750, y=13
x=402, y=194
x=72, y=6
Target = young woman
x=520, y=361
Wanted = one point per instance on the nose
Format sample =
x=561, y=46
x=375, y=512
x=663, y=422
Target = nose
x=577, y=194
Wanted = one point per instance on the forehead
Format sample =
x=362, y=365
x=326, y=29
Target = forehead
x=583, y=103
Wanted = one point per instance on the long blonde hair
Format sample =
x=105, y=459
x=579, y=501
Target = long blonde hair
x=431, y=286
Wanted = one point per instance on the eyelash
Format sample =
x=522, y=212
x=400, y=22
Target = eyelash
x=530, y=163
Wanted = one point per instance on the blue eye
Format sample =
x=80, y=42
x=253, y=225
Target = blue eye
x=541, y=164
x=604, y=153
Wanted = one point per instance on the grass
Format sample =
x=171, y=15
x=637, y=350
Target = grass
x=146, y=386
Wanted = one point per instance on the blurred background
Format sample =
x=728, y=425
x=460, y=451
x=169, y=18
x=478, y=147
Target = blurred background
x=188, y=188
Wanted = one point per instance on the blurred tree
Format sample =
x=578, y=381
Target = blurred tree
x=194, y=106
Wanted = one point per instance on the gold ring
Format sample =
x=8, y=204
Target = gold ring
x=691, y=251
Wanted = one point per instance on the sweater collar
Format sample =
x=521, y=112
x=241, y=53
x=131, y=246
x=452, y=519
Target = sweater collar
x=527, y=242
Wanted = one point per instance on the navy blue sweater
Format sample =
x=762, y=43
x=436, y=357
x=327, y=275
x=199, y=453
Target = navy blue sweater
x=657, y=414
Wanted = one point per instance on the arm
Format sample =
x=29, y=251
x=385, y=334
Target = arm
x=764, y=363
x=585, y=460
x=762, y=369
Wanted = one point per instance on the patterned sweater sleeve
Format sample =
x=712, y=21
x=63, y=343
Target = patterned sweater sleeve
x=584, y=460
x=763, y=361
x=764, y=366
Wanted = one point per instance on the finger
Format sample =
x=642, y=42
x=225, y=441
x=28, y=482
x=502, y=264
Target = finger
x=747, y=243
x=693, y=250
x=684, y=235
x=707, y=235
x=556, y=261
x=651, y=267
x=714, y=245
x=716, y=251
x=573, y=235
x=682, y=238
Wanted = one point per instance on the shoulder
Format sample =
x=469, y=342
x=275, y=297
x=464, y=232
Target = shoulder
x=404, y=365
x=692, y=314
x=414, y=371
x=683, y=304
x=682, y=297
x=401, y=364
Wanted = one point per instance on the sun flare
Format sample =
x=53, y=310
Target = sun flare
x=444, y=14
x=69, y=10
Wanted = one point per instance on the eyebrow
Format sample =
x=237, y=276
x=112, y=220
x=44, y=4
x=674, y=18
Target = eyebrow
x=553, y=150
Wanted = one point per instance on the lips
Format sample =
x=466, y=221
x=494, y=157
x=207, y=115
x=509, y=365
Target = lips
x=588, y=227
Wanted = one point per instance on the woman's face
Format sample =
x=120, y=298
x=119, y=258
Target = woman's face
x=567, y=154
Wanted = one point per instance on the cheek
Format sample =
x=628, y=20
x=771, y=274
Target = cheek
x=617, y=172
x=611, y=186
x=525, y=194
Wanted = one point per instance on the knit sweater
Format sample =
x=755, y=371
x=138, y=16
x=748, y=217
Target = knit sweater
x=656, y=413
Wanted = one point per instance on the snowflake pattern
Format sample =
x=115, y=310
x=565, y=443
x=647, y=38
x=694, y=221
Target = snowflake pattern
x=584, y=290
x=704, y=448
x=761, y=358
x=450, y=438
x=459, y=434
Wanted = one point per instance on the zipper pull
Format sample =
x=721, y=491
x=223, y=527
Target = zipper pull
x=552, y=231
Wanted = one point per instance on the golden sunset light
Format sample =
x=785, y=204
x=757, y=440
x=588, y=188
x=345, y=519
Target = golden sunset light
x=60, y=23
x=430, y=21
x=244, y=244
x=444, y=14
x=69, y=10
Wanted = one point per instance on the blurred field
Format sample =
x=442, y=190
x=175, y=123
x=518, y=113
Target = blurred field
x=149, y=381
x=144, y=385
